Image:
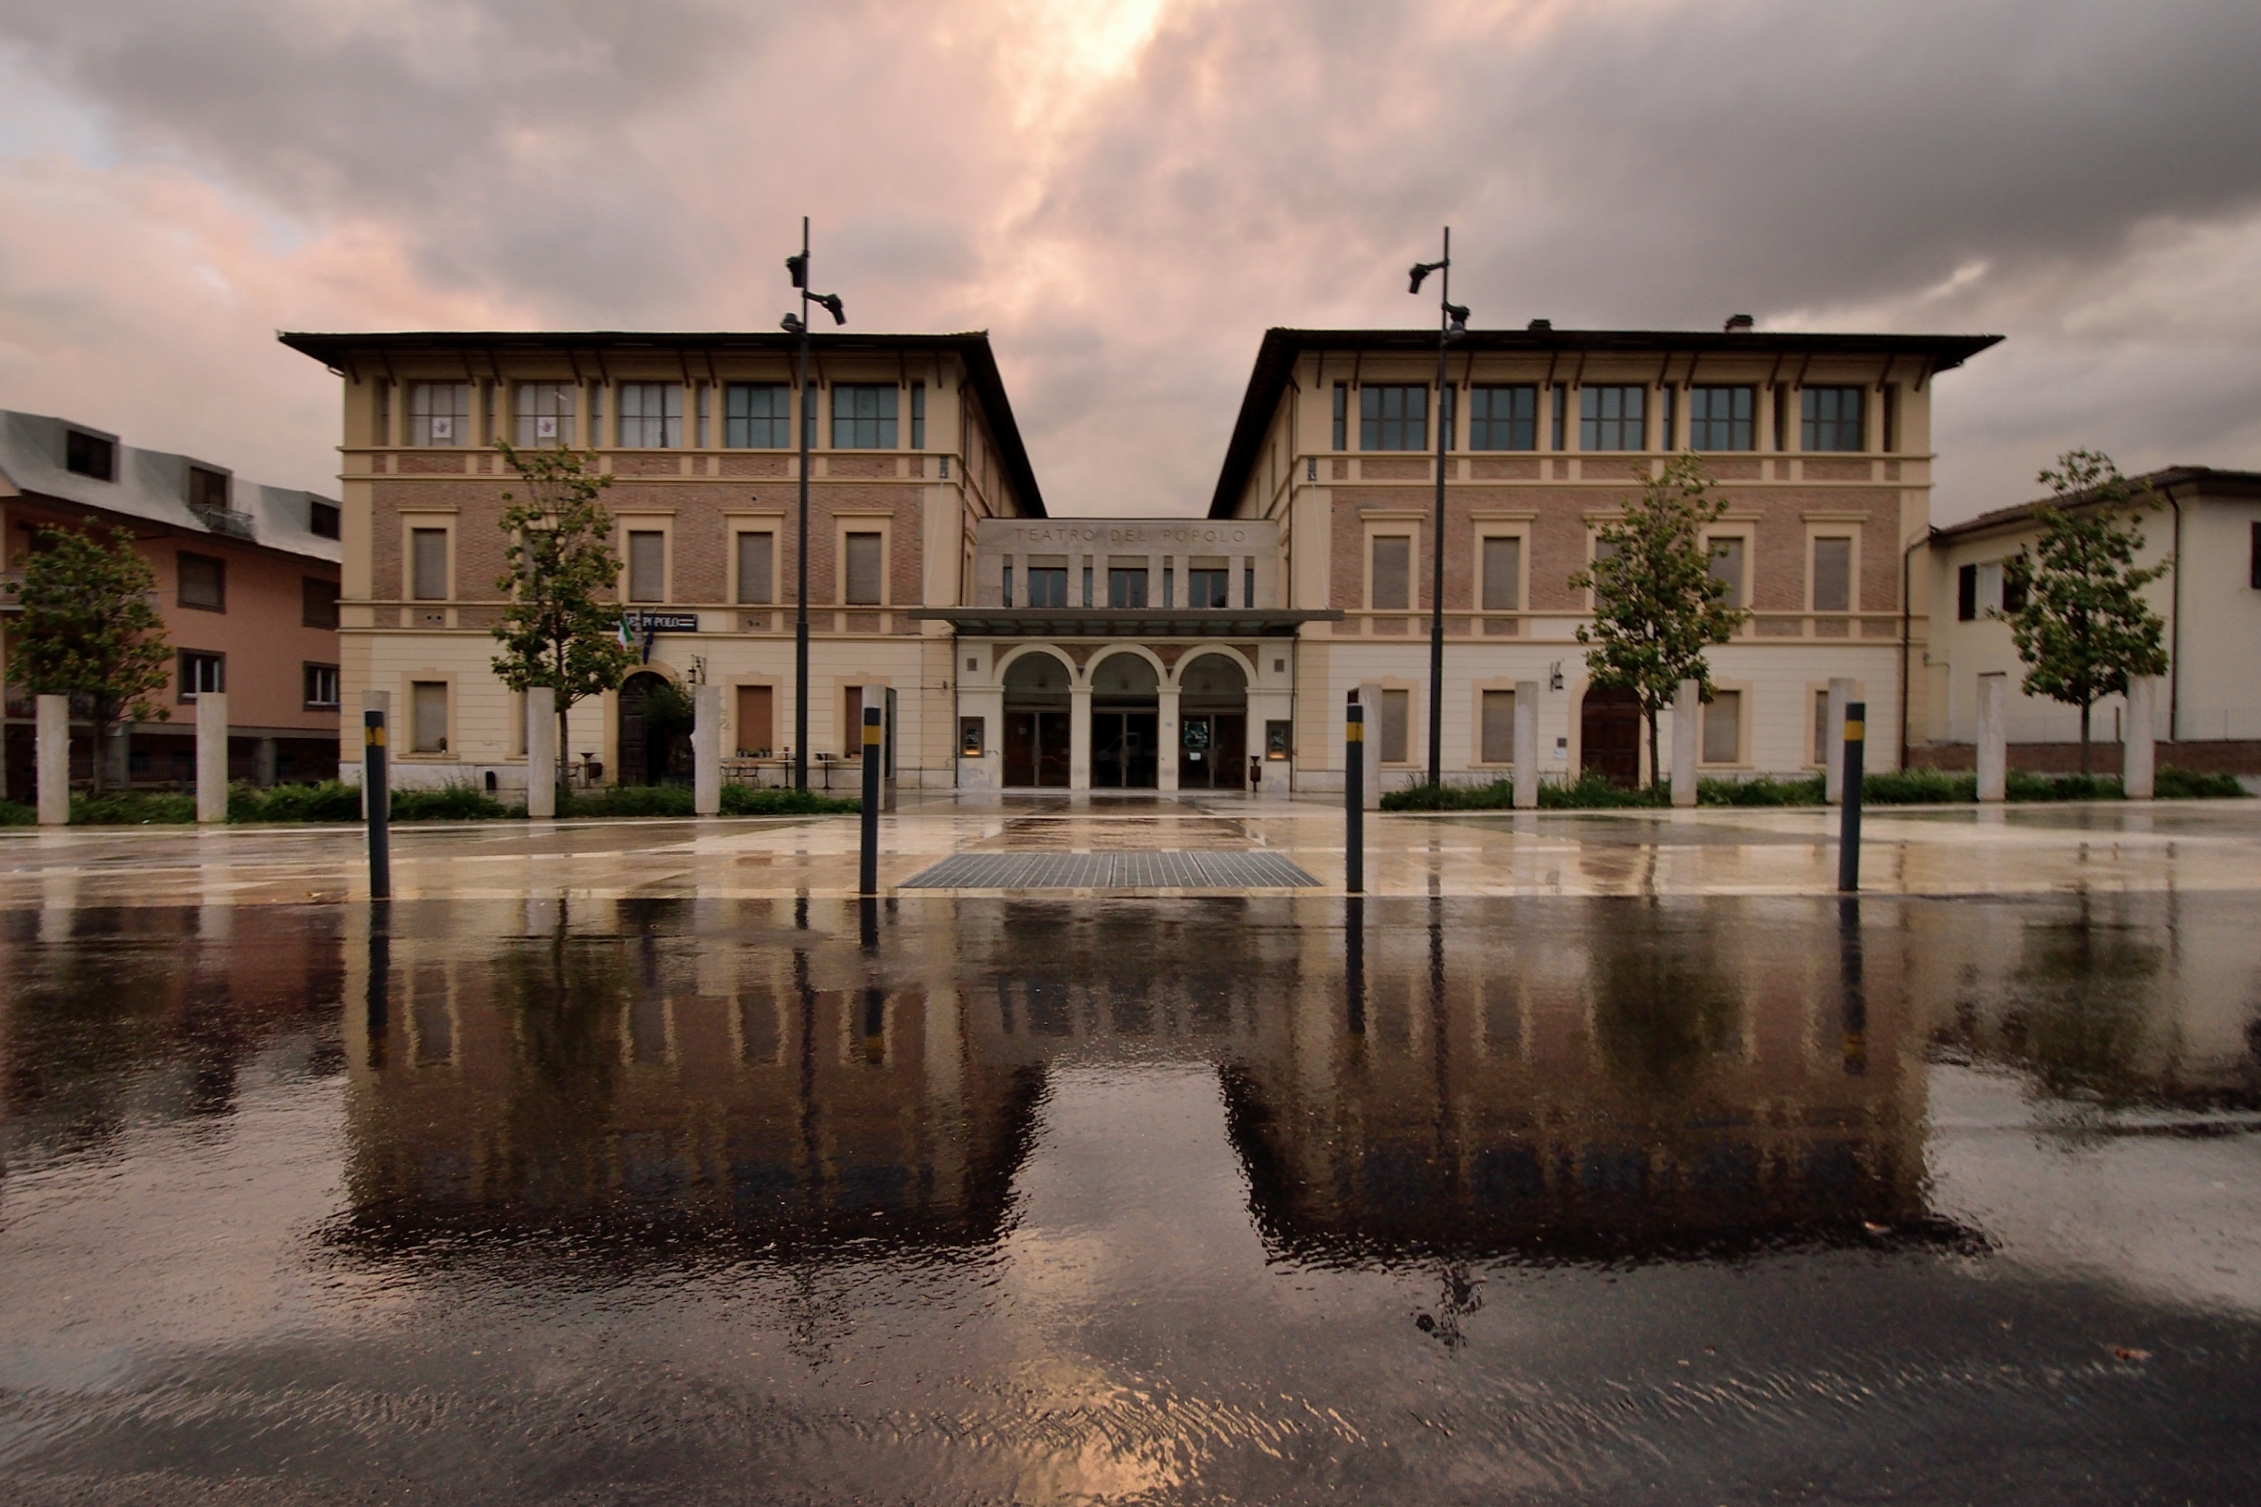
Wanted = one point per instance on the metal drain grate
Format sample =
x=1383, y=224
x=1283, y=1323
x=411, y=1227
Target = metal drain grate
x=1112, y=871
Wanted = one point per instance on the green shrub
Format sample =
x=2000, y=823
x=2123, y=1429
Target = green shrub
x=1592, y=791
x=2019, y=785
x=14, y=815
x=746, y=800
x=627, y=800
x=131, y=808
x=1765, y=790
x=1918, y=787
x=2189, y=785
x=447, y=803
x=330, y=801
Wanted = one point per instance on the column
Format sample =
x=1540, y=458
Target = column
x=1833, y=745
x=263, y=764
x=706, y=751
x=1526, y=745
x=1079, y=737
x=1166, y=767
x=54, y=734
x=2138, y=752
x=1687, y=721
x=1993, y=736
x=541, y=751
x=212, y=756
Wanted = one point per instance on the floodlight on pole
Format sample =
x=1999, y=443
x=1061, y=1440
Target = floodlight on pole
x=797, y=269
x=1452, y=322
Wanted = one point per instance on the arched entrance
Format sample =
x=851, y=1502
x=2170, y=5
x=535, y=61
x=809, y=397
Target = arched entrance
x=1126, y=719
x=655, y=730
x=1213, y=725
x=1609, y=735
x=1036, y=722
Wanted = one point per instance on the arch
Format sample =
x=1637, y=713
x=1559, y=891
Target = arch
x=1038, y=691
x=1126, y=719
x=1213, y=675
x=1037, y=671
x=1025, y=652
x=1199, y=652
x=1212, y=750
x=1125, y=672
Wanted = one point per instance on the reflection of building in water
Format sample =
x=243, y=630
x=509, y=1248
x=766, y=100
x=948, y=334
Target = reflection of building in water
x=1605, y=1077
x=672, y=1083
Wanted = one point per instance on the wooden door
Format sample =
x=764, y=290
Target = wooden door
x=1609, y=736
x=757, y=721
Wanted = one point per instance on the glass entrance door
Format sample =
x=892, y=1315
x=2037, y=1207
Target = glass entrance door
x=1036, y=750
x=1123, y=748
x=1212, y=750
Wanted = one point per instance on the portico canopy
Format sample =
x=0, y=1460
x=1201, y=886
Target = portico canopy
x=1125, y=622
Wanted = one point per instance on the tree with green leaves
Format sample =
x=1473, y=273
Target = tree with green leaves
x=2084, y=627
x=90, y=628
x=1657, y=605
x=562, y=627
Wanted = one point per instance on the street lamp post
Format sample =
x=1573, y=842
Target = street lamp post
x=798, y=324
x=1452, y=321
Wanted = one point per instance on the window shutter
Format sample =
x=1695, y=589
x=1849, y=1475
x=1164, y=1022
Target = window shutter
x=1966, y=592
x=863, y=570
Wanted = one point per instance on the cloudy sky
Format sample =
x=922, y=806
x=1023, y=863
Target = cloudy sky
x=1127, y=192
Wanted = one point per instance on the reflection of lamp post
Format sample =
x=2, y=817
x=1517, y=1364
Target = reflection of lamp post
x=798, y=324
x=1452, y=322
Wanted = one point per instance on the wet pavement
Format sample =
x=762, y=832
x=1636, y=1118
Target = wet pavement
x=635, y=1186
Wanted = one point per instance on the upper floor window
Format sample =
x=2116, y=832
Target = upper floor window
x=1719, y=418
x=439, y=413
x=757, y=416
x=863, y=415
x=321, y=685
x=207, y=489
x=427, y=564
x=1342, y=416
x=1833, y=575
x=865, y=556
x=1047, y=586
x=322, y=520
x=1503, y=574
x=1503, y=418
x=1832, y=419
x=317, y=602
x=1727, y=569
x=90, y=455
x=203, y=582
x=544, y=414
x=651, y=416
x=1207, y=586
x=202, y=672
x=757, y=566
x=1390, y=586
x=1126, y=587
x=918, y=415
x=1985, y=590
x=1393, y=416
x=1613, y=418
x=647, y=565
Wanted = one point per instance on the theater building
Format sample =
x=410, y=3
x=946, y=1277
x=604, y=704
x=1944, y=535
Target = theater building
x=1017, y=650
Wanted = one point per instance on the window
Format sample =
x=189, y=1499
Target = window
x=1397, y=716
x=545, y=415
x=1248, y=586
x=322, y=520
x=1966, y=586
x=1207, y=586
x=1613, y=418
x=647, y=565
x=1727, y=569
x=1087, y=586
x=1504, y=419
x=90, y=455
x=202, y=672
x=1342, y=416
x=852, y=722
x=439, y=413
x=317, y=602
x=918, y=415
x=1169, y=583
x=1560, y=407
x=1719, y=418
x=203, y=582
x=1831, y=419
x=651, y=416
x=1126, y=587
x=1667, y=433
x=428, y=716
x=1393, y=416
x=427, y=549
x=2013, y=595
x=1990, y=588
x=321, y=685
x=2253, y=563
x=757, y=721
x=1833, y=575
x=1723, y=728
x=863, y=416
x=1498, y=730
x=1048, y=586
x=757, y=416
x=1503, y=572
x=207, y=489
x=1005, y=589
x=864, y=579
x=1390, y=587
x=757, y=567
x=700, y=439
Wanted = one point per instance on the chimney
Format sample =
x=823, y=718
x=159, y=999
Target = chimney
x=1541, y=326
x=1740, y=324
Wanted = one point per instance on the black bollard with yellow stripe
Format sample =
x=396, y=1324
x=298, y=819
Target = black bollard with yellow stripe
x=378, y=802
x=1849, y=814
x=873, y=757
x=1354, y=800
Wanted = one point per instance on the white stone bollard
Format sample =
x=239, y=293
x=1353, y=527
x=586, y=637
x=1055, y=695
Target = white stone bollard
x=706, y=751
x=1370, y=697
x=1833, y=740
x=212, y=756
x=1526, y=745
x=54, y=724
x=541, y=751
x=2138, y=751
x=1993, y=737
x=1687, y=727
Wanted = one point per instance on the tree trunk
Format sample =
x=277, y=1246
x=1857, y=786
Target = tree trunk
x=564, y=759
x=98, y=755
x=1651, y=713
x=2084, y=708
